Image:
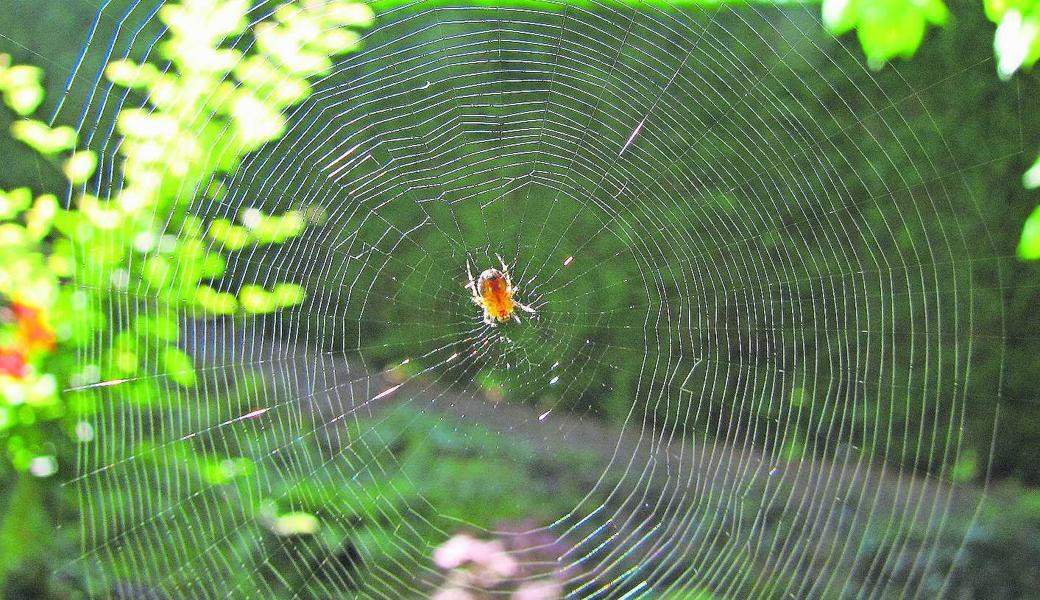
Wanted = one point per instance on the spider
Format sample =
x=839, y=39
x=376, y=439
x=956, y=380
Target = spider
x=493, y=291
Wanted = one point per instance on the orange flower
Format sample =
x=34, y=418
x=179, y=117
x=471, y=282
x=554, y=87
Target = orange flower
x=33, y=331
x=12, y=362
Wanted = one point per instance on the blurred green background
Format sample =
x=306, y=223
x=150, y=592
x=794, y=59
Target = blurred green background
x=200, y=318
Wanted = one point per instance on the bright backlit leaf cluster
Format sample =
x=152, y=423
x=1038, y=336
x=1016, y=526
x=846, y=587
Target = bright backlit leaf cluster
x=212, y=105
x=1017, y=40
x=886, y=29
x=1029, y=245
x=20, y=86
x=1017, y=46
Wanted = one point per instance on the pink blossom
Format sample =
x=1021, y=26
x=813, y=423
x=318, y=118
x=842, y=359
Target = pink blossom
x=488, y=561
x=496, y=560
x=456, y=551
x=452, y=593
x=539, y=589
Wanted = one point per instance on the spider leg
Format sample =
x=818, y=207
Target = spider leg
x=505, y=273
x=526, y=308
x=472, y=282
x=472, y=285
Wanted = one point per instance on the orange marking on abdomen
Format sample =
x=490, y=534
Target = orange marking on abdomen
x=496, y=297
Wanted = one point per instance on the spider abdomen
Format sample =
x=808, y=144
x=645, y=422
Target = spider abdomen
x=496, y=295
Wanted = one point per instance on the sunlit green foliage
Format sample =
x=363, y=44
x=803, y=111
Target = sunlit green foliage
x=20, y=86
x=214, y=97
x=889, y=29
x=886, y=29
x=1017, y=46
x=71, y=274
x=1031, y=178
x=1029, y=245
x=1017, y=40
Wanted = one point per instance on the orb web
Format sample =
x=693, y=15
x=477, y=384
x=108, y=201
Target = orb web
x=753, y=332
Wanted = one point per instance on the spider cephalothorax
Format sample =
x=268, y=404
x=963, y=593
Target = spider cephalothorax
x=493, y=292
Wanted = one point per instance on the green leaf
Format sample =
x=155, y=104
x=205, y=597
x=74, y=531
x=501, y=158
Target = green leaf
x=12, y=203
x=221, y=472
x=232, y=237
x=158, y=327
x=1031, y=178
x=273, y=229
x=80, y=166
x=1017, y=41
x=966, y=467
x=792, y=450
x=295, y=523
x=886, y=29
x=283, y=45
x=24, y=100
x=22, y=89
x=271, y=82
x=336, y=41
x=157, y=271
x=178, y=366
x=257, y=122
x=102, y=215
x=143, y=124
x=840, y=16
x=42, y=138
x=288, y=294
x=129, y=74
x=348, y=14
x=885, y=35
x=255, y=299
x=207, y=22
x=21, y=76
x=212, y=265
x=12, y=235
x=125, y=357
x=1029, y=244
x=218, y=303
